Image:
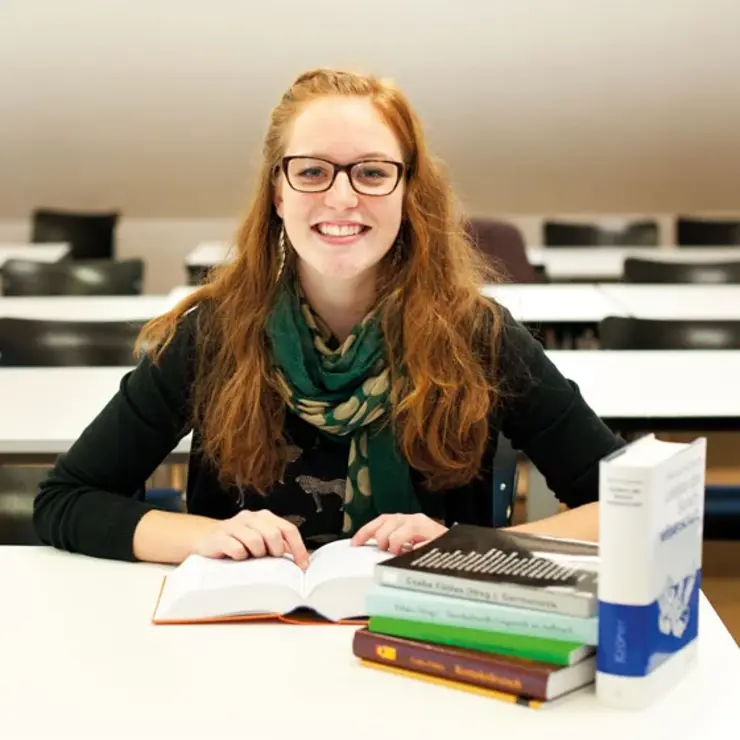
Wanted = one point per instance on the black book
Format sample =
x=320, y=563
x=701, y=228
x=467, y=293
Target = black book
x=501, y=566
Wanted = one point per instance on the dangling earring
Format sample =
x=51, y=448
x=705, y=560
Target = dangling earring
x=281, y=254
x=398, y=252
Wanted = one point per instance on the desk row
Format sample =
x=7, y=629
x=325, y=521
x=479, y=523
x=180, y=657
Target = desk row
x=540, y=304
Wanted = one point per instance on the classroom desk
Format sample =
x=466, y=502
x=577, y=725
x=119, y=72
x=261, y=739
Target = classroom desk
x=42, y=252
x=607, y=263
x=556, y=303
x=82, y=660
x=46, y=409
x=84, y=308
x=684, y=302
x=208, y=254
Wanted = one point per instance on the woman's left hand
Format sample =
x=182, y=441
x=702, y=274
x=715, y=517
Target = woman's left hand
x=397, y=532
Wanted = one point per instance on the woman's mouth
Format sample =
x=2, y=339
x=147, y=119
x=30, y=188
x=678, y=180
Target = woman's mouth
x=340, y=233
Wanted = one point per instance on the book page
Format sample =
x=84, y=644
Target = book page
x=340, y=559
x=203, y=586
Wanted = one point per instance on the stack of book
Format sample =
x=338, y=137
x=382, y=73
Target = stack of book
x=499, y=612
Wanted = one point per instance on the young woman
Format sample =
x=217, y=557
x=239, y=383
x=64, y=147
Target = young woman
x=342, y=376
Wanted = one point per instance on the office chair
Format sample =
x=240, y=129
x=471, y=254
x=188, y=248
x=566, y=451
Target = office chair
x=44, y=343
x=82, y=277
x=631, y=234
x=703, y=232
x=626, y=333
x=505, y=477
x=638, y=270
x=90, y=235
x=722, y=502
x=504, y=245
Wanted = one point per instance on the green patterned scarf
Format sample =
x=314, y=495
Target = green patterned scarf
x=343, y=390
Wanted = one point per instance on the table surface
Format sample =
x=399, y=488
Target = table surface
x=561, y=263
x=85, y=308
x=606, y=263
x=82, y=659
x=555, y=302
x=689, y=302
x=43, y=252
x=46, y=409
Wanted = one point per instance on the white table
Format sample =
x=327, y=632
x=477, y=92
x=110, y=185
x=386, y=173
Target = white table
x=43, y=252
x=684, y=302
x=607, y=263
x=84, y=308
x=555, y=302
x=208, y=254
x=44, y=410
x=81, y=659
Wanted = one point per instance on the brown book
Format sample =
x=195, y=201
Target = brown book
x=515, y=676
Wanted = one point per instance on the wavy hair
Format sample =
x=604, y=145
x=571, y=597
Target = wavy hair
x=441, y=335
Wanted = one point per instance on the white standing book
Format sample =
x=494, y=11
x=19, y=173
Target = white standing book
x=651, y=518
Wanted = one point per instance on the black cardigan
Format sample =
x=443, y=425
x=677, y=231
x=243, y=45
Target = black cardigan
x=88, y=502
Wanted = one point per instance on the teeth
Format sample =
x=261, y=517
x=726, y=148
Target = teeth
x=343, y=230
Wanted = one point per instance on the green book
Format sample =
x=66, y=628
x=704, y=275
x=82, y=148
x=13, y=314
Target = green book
x=555, y=652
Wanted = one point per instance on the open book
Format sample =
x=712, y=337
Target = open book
x=333, y=587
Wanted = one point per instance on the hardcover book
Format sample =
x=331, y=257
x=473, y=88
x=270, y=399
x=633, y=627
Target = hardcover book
x=651, y=533
x=516, y=677
x=334, y=587
x=501, y=566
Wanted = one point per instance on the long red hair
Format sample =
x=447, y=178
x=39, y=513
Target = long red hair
x=440, y=333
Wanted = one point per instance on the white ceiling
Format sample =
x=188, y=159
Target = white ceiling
x=157, y=107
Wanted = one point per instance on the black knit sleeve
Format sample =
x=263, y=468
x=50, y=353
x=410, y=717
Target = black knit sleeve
x=544, y=415
x=87, y=503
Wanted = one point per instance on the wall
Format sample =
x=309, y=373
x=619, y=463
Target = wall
x=537, y=106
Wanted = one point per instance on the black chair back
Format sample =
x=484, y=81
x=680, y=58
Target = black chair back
x=622, y=333
x=90, y=235
x=197, y=274
x=638, y=270
x=83, y=277
x=632, y=234
x=38, y=343
x=701, y=232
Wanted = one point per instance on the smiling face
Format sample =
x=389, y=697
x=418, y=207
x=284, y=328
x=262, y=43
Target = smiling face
x=338, y=232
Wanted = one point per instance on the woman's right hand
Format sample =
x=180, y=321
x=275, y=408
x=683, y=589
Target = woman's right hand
x=253, y=534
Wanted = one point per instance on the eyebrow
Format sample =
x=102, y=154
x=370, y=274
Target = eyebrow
x=360, y=158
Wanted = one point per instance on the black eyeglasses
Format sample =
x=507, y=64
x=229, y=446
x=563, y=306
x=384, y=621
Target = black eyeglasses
x=367, y=177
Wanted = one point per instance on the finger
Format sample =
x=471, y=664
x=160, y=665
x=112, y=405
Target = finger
x=367, y=531
x=404, y=536
x=250, y=538
x=271, y=536
x=386, y=529
x=231, y=547
x=294, y=541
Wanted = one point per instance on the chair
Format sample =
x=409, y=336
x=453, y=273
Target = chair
x=505, y=478
x=629, y=234
x=626, y=333
x=722, y=506
x=42, y=343
x=196, y=274
x=81, y=277
x=700, y=232
x=504, y=245
x=90, y=235
x=638, y=270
